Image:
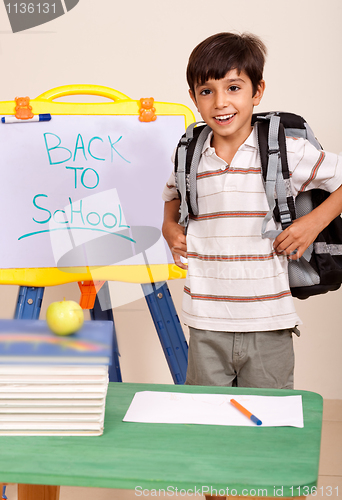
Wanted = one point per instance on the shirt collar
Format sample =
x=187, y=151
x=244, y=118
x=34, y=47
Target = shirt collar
x=250, y=142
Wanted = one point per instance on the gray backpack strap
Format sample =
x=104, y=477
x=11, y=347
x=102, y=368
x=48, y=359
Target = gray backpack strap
x=271, y=177
x=310, y=136
x=304, y=133
x=194, y=167
x=275, y=184
x=181, y=174
x=191, y=182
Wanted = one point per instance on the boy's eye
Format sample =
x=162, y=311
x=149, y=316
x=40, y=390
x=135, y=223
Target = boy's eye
x=234, y=88
x=205, y=92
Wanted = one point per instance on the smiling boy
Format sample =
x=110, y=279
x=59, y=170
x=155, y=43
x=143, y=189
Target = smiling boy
x=237, y=302
x=229, y=121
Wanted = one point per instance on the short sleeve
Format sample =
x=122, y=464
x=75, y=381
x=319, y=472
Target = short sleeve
x=170, y=191
x=311, y=168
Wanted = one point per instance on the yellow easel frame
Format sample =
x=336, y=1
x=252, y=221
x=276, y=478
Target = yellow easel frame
x=121, y=105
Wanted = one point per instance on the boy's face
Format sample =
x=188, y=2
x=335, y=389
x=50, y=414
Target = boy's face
x=226, y=105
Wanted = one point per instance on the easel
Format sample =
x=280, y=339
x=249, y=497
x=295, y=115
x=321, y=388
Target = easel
x=162, y=310
x=157, y=295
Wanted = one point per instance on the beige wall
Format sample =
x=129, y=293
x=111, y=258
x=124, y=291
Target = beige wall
x=141, y=48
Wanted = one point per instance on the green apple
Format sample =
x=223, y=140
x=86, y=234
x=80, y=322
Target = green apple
x=64, y=317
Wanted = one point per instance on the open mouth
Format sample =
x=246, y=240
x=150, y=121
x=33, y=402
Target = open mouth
x=224, y=119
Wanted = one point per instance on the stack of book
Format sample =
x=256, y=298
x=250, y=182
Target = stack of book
x=53, y=385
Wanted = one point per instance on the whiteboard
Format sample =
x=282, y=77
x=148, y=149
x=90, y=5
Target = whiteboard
x=85, y=191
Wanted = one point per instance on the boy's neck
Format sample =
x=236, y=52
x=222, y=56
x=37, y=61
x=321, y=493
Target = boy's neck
x=226, y=147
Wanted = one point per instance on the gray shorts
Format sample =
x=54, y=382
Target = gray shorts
x=251, y=359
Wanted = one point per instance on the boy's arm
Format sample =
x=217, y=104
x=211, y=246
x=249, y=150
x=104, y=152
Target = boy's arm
x=174, y=233
x=303, y=231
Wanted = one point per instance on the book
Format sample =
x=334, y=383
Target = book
x=16, y=409
x=52, y=432
x=32, y=342
x=52, y=385
x=53, y=403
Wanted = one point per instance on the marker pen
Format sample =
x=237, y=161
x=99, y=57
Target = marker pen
x=246, y=412
x=45, y=117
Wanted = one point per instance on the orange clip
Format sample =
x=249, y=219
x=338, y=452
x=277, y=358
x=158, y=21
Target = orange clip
x=89, y=290
x=147, y=111
x=23, y=108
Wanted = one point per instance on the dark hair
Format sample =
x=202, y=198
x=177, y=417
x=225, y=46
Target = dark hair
x=220, y=53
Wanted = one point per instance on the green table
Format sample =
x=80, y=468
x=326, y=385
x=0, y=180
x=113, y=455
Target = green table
x=191, y=458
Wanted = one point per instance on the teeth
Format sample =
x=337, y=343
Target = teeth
x=224, y=117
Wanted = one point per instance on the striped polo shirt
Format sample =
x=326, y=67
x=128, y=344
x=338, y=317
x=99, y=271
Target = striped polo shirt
x=235, y=281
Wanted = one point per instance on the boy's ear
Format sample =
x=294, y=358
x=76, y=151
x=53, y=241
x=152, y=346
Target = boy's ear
x=193, y=97
x=259, y=93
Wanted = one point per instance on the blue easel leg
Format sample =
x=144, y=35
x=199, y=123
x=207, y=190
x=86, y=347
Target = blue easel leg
x=162, y=310
x=4, y=493
x=29, y=302
x=102, y=311
x=169, y=329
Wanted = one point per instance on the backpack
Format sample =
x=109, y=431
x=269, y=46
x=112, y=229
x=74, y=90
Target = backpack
x=319, y=270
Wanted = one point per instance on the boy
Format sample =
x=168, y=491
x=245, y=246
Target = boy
x=237, y=301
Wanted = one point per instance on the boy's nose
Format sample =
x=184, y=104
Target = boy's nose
x=222, y=100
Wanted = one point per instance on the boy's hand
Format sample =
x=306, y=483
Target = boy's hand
x=174, y=233
x=295, y=239
x=176, y=239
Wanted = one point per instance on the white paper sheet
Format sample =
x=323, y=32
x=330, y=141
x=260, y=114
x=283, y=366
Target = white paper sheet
x=214, y=409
